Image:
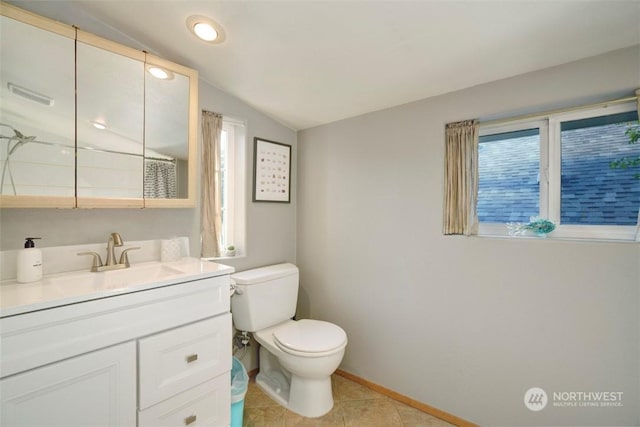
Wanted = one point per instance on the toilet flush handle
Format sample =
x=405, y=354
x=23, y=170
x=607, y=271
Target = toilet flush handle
x=233, y=289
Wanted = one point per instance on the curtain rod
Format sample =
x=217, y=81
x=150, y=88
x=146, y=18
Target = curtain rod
x=558, y=111
x=230, y=119
x=159, y=159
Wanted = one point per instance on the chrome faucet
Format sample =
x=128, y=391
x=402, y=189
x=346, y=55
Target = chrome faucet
x=114, y=241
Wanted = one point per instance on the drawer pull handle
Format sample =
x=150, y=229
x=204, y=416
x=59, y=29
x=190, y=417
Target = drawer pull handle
x=190, y=419
x=192, y=358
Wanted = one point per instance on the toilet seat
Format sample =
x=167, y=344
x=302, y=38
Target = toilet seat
x=309, y=337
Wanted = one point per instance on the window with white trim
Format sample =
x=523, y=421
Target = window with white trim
x=560, y=167
x=232, y=170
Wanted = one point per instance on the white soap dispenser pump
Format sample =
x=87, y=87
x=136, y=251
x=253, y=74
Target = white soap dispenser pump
x=29, y=262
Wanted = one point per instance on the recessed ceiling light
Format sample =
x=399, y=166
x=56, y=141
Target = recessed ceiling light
x=160, y=73
x=205, y=29
x=99, y=125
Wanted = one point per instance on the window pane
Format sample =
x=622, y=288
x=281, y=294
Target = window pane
x=509, y=165
x=224, y=167
x=593, y=192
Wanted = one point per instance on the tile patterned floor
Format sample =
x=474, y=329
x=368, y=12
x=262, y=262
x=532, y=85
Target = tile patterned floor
x=355, y=406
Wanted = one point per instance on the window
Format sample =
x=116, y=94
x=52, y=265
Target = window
x=232, y=170
x=592, y=193
x=509, y=169
x=560, y=168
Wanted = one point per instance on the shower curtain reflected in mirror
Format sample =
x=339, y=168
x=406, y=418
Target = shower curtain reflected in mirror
x=160, y=181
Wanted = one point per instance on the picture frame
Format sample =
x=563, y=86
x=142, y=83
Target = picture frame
x=271, y=171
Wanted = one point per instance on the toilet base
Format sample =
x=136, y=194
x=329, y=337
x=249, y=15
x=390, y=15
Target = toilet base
x=309, y=397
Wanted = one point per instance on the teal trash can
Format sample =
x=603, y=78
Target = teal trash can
x=239, y=384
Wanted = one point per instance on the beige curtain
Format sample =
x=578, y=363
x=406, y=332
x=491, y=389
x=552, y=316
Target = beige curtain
x=461, y=178
x=211, y=187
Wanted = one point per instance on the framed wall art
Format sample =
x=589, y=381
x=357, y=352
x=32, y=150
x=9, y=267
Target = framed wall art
x=271, y=171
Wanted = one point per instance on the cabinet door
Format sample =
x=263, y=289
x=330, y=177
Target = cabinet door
x=95, y=389
x=170, y=137
x=37, y=111
x=110, y=123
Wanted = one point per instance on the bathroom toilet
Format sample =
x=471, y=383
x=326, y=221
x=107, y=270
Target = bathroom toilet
x=297, y=358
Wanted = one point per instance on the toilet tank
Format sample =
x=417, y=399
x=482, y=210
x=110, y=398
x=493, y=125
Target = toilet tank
x=264, y=296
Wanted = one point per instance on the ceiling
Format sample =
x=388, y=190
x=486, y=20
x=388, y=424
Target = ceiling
x=306, y=63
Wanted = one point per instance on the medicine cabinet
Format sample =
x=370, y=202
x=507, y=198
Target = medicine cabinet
x=86, y=122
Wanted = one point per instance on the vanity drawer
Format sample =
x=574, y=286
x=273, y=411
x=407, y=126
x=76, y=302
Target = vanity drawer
x=208, y=404
x=176, y=360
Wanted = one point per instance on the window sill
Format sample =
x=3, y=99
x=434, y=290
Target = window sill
x=557, y=239
x=222, y=258
x=576, y=233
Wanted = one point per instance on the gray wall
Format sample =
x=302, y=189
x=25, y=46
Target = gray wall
x=464, y=324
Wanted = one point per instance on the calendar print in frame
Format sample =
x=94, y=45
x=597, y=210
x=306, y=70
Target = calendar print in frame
x=271, y=171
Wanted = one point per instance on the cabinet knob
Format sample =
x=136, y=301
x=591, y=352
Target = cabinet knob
x=190, y=419
x=192, y=358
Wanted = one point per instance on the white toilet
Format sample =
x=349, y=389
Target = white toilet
x=297, y=358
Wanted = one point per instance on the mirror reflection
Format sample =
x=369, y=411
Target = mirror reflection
x=166, y=133
x=128, y=133
x=110, y=109
x=37, y=130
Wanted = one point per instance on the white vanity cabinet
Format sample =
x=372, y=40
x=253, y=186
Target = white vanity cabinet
x=151, y=356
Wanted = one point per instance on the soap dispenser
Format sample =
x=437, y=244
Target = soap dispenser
x=29, y=262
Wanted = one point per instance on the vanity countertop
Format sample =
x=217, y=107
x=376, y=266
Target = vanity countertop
x=73, y=287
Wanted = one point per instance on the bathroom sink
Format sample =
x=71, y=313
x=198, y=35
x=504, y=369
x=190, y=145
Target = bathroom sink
x=139, y=274
x=116, y=279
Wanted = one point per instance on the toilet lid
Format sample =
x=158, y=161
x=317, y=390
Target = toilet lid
x=310, y=336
